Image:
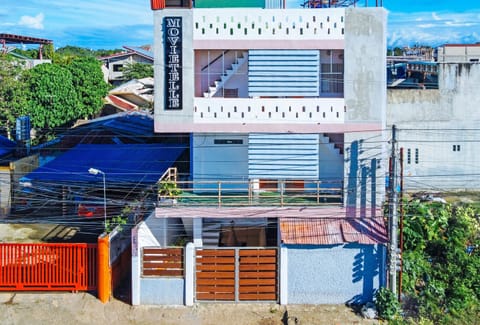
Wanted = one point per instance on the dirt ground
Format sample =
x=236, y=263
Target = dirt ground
x=84, y=308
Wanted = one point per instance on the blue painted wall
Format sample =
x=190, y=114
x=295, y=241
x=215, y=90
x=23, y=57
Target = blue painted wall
x=334, y=274
x=162, y=291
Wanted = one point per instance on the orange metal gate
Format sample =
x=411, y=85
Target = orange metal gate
x=43, y=267
x=240, y=274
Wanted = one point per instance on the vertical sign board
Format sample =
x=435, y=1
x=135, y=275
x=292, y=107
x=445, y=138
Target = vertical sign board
x=172, y=27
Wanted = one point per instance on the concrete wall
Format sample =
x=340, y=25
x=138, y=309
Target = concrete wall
x=365, y=65
x=162, y=291
x=334, y=274
x=365, y=97
x=431, y=122
x=152, y=290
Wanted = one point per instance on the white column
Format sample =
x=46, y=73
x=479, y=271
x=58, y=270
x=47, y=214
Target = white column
x=189, y=273
x=197, y=232
x=136, y=272
x=283, y=275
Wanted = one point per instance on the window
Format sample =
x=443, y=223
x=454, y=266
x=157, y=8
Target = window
x=416, y=155
x=409, y=156
x=117, y=67
x=456, y=147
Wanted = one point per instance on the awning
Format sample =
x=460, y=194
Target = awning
x=136, y=163
x=333, y=231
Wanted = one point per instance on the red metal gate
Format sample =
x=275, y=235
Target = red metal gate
x=43, y=267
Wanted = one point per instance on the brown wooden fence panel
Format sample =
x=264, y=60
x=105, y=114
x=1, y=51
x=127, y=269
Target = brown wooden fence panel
x=44, y=266
x=162, y=262
x=215, y=274
x=258, y=274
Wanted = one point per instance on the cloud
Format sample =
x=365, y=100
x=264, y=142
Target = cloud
x=32, y=22
x=435, y=16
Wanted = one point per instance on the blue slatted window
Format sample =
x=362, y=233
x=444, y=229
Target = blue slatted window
x=283, y=73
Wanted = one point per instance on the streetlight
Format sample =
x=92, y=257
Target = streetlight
x=95, y=171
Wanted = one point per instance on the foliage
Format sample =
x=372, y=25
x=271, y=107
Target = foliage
x=137, y=71
x=13, y=92
x=75, y=51
x=53, y=95
x=53, y=101
x=29, y=53
x=168, y=189
x=386, y=303
x=441, y=260
x=89, y=84
x=118, y=221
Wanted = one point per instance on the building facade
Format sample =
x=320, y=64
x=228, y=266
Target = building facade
x=285, y=108
x=437, y=129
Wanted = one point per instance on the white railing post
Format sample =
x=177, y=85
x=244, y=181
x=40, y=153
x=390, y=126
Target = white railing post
x=283, y=275
x=136, y=268
x=189, y=274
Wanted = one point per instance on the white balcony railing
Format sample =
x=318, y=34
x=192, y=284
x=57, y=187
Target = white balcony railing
x=269, y=24
x=269, y=110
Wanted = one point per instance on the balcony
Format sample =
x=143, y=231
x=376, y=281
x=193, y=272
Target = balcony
x=269, y=110
x=249, y=193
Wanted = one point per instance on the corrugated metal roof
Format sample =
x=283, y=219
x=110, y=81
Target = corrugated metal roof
x=332, y=231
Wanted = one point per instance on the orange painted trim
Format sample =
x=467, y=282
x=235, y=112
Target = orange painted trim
x=104, y=269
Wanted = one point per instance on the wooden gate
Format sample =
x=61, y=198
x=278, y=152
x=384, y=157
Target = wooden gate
x=48, y=267
x=239, y=274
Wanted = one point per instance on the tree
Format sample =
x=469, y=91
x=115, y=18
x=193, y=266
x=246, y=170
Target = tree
x=13, y=92
x=137, y=71
x=89, y=84
x=53, y=101
x=441, y=260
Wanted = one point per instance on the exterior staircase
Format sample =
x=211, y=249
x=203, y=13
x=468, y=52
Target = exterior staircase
x=211, y=232
x=228, y=73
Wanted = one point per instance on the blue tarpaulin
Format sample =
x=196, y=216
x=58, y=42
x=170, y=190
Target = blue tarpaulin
x=133, y=163
x=6, y=146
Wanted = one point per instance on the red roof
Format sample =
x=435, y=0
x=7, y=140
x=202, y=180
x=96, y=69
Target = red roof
x=331, y=231
x=121, y=103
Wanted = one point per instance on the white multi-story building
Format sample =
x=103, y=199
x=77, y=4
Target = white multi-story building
x=285, y=108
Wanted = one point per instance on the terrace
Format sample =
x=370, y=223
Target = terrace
x=248, y=193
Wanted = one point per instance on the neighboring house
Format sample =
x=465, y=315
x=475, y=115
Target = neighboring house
x=8, y=42
x=114, y=64
x=285, y=109
x=438, y=128
x=134, y=95
x=412, y=74
x=459, y=53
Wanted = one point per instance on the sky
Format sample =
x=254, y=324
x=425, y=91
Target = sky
x=111, y=24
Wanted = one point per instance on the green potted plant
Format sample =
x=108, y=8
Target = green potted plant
x=168, y=191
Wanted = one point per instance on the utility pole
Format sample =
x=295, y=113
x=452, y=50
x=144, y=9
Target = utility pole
x=393, y=217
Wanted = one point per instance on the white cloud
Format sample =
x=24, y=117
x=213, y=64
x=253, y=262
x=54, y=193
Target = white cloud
x=426, y=26
x=435, y=16
x=32, y=22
